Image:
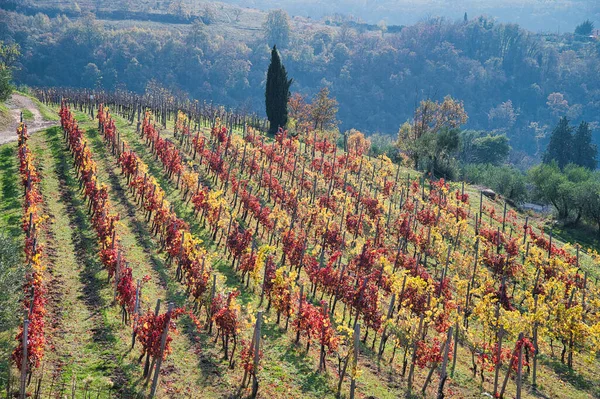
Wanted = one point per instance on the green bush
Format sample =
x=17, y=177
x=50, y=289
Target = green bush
x=504, y=180
x=383, y=145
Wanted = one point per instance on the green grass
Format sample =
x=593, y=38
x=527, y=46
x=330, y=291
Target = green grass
x=5, y=117
x=583, y=234
x=27, y=115
x=10, y=220
x=142, y=251
x=86, y=339
x=10, y=192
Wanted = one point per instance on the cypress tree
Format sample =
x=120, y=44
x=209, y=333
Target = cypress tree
x=277, y=93
x=585, y=153
x=560, y=148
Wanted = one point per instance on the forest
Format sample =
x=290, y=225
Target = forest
x=511, y=81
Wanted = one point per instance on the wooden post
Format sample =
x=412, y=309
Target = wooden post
x=256, y=341
x=504, y=217
x=322, y=365
x=299, y=310
x=475, y=263
x=355, y=359
x=117, y=275
x=480, y=204
x=499, y=355
x=147, y=363
x=520, y=372
x=262, y=292
x=509, y=369
x=455, y=345
x=163, y=342
x=384, y=336
x=135, y=313
x=443, y=374
x=29, y=225
x=22, y=391
x=212, y=297
x=414, y=356
x=535, y=344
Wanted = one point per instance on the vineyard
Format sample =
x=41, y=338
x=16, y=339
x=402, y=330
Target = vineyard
x=176, y=250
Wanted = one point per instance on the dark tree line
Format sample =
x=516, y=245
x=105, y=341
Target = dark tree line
x=509, y=79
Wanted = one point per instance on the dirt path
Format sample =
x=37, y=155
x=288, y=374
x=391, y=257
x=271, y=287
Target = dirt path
x=15, y=104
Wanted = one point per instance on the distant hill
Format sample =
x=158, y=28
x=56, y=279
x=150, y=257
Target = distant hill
x=536, y=15
x=510, y=79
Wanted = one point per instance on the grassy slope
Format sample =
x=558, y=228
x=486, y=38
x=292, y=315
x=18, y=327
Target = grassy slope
x=286, y=372
x=550, y=374
x=86, y=337
x=27, y=115
x=142, y=253
x=10, y=219
x=84, y=331
x=5, y=117
x=103, y=354
x=144, y=261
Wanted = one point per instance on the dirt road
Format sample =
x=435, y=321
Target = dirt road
x=15, y=104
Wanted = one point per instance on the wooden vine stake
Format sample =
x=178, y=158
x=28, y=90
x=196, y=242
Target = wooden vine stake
x=212, y=298
x=147, y=363
x=355, y=360
x=414, y=357
x=384, y=335
x=256, y=348
x=535, y=344
x=499, y=359
x=443, y=372
x=22, y=392
x=520, y=372
x=136, y=311
x=299, y=310
x=521, y=335
x=163, y=342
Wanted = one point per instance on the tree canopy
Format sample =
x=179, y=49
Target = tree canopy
x=559, y=149
x=324, y=110
x=9, y=53
x=510, y=80
x=565, y=147
x=277, y=28
x=585, y=28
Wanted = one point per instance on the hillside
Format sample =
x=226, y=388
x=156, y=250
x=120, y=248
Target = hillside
x=534, y=15
x=395, y=235
x=202, y=200
x=511, y=80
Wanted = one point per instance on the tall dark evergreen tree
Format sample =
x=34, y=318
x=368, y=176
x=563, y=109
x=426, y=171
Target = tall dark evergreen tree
x=585, y=153
x=277, y=93
x=585, y=28
x=560, y=148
